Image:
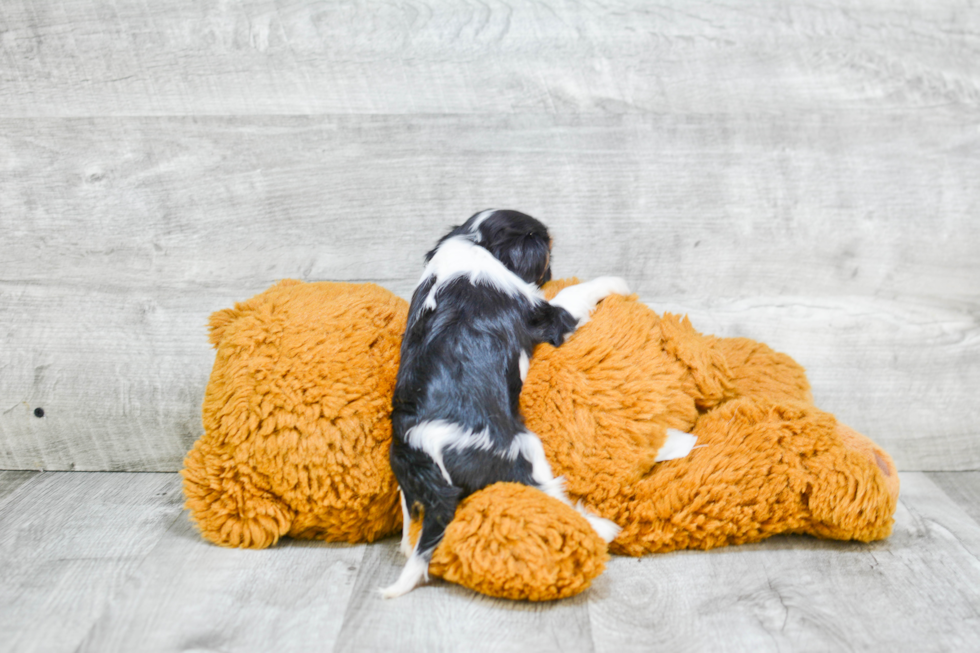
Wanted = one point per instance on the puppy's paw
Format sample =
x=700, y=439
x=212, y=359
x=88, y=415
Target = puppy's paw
x=612, y=286
x=581, y=299
x=414, y=573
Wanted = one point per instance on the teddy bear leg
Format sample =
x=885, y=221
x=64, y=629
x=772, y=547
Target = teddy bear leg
x=511, y=541
x=855, y=488
x=761, y=468
x=226, y=507
x=822, y=477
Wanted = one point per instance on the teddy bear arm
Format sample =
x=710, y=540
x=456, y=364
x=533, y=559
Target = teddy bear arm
x=756, y=370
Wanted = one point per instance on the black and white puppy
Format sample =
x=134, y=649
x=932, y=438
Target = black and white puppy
x=475, y=317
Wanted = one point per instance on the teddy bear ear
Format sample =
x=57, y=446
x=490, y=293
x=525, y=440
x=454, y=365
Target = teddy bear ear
x=220, y=320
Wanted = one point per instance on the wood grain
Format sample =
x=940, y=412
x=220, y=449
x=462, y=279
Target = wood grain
x=10, y=482
x=917, y=589
x=713, y=205
x=189, y=595
x=119, y=373
x=963, y=488
x=848, y=243
x=108, y=562
x=130, y=57
x=444, y=617
x=68, y=542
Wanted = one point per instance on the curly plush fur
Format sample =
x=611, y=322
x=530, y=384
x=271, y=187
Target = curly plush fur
x=296, y=428
x=297, y=435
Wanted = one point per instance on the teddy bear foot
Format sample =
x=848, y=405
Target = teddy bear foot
x=225, y=509
x=873, y=452
x=511, y=541
x=763, y=468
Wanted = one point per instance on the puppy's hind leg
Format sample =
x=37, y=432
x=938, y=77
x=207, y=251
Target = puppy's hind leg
x=414, y=573
x=406, y=545
x=416, y=570
x=424, y=490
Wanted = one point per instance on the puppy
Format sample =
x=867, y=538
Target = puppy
x=475, y=317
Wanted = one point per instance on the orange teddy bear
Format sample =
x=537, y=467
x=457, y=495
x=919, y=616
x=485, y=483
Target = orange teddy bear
x=297, y=436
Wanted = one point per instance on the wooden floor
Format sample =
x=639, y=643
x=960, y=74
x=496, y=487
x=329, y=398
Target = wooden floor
x=109, y=562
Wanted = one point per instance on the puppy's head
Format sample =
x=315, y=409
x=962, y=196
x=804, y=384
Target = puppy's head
x=515, y=239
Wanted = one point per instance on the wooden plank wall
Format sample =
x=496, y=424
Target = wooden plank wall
x=802, y=174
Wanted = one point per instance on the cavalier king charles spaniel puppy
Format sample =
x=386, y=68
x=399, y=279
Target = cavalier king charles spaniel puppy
x=475, y=317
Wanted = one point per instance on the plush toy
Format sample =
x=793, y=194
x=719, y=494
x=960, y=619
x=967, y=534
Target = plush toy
x=297, y=435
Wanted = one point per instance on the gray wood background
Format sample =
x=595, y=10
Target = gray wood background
x=803, y=174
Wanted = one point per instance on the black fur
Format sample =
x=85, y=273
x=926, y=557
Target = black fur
x=515, y=239
x=460, y=364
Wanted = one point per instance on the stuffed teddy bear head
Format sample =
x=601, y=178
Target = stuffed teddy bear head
x=297, y=431
x=296, y=428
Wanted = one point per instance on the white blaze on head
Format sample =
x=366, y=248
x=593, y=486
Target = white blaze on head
x=478, y=220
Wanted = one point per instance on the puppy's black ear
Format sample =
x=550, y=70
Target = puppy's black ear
x=546, y=277
x=526, y=254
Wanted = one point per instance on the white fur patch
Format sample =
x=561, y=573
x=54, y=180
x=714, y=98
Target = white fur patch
x=605, y=528
x=524, y=364
x=678, y=445
x=406, y=545
x=532, y=449
x=478, y=220
x=415, y=572
x=438, y=435
x=460, y=257
x=433, y=437
x=579, y=300
x=529, y=445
